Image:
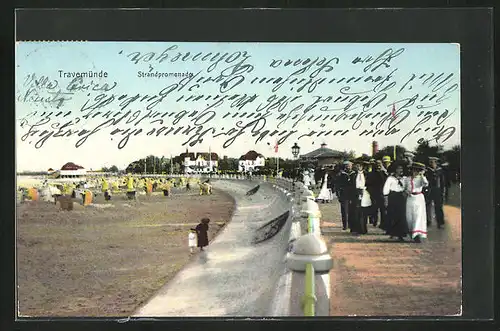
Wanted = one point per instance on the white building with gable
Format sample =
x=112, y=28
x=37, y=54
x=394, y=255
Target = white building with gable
x=195, y=163
x=251, y=161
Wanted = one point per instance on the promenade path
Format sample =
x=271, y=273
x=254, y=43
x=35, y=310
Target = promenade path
x=376, y=276
x=232, y=277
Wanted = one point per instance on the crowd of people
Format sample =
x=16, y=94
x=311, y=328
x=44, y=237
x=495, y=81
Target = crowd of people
x=400, y=197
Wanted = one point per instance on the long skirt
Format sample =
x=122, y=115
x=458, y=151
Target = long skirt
x=358, y=217
x=416, y=216
x=325, y=194
x=396, y=215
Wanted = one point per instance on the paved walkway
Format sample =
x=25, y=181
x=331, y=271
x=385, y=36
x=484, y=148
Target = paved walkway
x=375, y=276
x=232, y=277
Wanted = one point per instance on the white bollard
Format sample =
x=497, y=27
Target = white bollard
x=309, y=248
x=295, y=232
x=307, y=194
x=310, y=208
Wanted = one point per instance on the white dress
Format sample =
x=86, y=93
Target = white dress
x=311, y=178
x=361, y=185
x=416, y=214
x=192, y=239
x=325, y=194
x=306, y=179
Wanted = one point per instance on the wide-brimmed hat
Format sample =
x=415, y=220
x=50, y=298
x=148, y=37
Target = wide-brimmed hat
x=418, y=166
x=433, y=158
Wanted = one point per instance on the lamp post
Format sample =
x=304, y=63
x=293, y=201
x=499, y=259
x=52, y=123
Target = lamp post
x=295, y=153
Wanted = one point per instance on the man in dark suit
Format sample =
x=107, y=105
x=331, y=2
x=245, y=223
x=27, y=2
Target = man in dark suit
x=447, y=180
x=375, y=181
x=435, y=196
x=345, y=188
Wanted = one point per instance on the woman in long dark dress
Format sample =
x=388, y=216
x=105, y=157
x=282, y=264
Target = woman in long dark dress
x=396, y=202
x=202, y=232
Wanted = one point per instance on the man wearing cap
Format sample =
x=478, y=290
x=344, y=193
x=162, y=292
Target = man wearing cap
x=346, y=191
x=435, y=176
x=375, y=186
x=371, y=165
x=386, y=160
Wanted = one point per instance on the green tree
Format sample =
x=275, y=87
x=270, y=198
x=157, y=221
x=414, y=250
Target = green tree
x=453, y=157
x=177, y=168
x=135, y=167
x=224, y=163
x=113, y=168
x=347, y=155
x=389, y=151
x=425, y=150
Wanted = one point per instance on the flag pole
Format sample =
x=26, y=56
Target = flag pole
x=276, y=150
x=277, y=166
x=394, y=117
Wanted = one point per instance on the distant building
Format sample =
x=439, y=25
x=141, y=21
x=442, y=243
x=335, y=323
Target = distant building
x=322, y=156
x=71, y=170
x=251, y=161
x=199, y=162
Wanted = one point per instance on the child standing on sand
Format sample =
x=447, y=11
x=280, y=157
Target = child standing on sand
x=192, y=242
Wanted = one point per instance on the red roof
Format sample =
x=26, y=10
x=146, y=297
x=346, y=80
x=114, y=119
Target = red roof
x=251, y=155
x=71, y=166
x=50, y=169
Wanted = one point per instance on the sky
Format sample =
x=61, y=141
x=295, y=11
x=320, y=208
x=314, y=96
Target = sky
x=46, y=61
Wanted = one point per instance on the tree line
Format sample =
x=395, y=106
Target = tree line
x=425, y=150
x=174, y=165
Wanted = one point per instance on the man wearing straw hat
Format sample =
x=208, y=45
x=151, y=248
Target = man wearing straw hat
x=386, y=160
x=435, y=176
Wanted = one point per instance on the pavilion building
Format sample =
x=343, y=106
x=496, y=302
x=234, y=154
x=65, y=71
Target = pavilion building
x=322, y=156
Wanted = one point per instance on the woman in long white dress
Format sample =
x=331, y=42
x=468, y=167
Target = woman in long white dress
x=306, y=179
x=416, y=214
x=325, y=195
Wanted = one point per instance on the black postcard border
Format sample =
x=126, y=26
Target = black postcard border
x=471, y=27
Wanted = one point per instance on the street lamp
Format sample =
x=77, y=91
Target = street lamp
x=295, y=150
x=295, y=153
